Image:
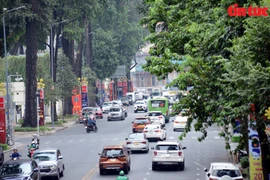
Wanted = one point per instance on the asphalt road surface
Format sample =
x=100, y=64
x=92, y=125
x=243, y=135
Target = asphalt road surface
x=80, y=151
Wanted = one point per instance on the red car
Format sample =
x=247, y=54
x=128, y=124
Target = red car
x=98, y=112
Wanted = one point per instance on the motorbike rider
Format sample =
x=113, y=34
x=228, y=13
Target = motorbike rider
x=36, y=141
x=122, y=176
x=91, y=121
x=15, y=153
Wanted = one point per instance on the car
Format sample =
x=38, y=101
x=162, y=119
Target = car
x=180, y=123
x=2, y=157
x=140, y=106
x=130, y=100
x=117, y=103
x=125, y=101
x=50, y=162
x=116, y=113
x=114, y=158
x=156, y=117
x=20, y=169
x=139, y=124
x=168, y=153
x=106, y=107
x=98, y=112
x=218, y=170
x=155, y=131
x=137, y=142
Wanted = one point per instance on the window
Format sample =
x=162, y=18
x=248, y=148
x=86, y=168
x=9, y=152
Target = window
x=9, y=169
x=141, y=121
x=223, y=172
x=136, y=136
x=152, y=127
x=114, y=109
x=167, y=147
x=45, y=156
x=155, y=114
x=112, y=152
x=158, y=103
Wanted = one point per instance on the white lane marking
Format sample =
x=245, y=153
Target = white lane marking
x=171, y=137
x=217, y=137
x=148, y=173
x=70, y=141
x=199, y=164
x=194, y=137
x=114, y=139
x=57, y=142
x=82, y=140
x=104, y=139
x=48, y=142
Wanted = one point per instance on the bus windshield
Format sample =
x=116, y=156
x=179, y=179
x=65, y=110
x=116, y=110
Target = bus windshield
x=157, y=103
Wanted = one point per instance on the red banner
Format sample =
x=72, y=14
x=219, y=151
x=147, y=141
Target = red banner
x=2, y=103
x=41, y=94
x=119, y=84
x=77, y=104
x=111, y=91
x=84, y=89
x=2, y=126
x=125, y=88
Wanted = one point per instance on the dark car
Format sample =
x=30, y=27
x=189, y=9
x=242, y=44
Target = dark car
x=20, y=169
x=125, y=101
x=1, y=156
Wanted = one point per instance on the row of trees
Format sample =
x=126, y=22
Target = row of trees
x=96, y=37
x=228, y=60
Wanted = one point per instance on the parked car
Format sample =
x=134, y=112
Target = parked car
x=137, y=142
x=218, y=170
x=24, y=169
x=114, y=158
x=140, y=106
x=168, y=153
x=2, y=157
x=116, y=113
x=50, y=162
x=98, y=112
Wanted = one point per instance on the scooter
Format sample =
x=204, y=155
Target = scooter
x=31, y=151
x=241, y=154
x=15, y=158
x=90, y=128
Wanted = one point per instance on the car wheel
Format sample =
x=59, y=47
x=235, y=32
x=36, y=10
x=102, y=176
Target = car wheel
x=135, y=111
x=101, y=171
x=154, y=166
x=126, y=169
x=108, y=119
x=181, y=166
x=58, y=175
x=62, y=173
x=174, y=129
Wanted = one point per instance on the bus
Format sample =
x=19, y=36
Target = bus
x=160, y=104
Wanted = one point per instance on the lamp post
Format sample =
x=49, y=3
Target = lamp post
x=6, y=61
x=40, y=86
x=52, y=61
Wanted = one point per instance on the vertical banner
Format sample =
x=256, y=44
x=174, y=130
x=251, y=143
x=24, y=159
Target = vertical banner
x=84, y=96
x=125, y=88
x=76, y=102
x=2, y=121
x=111, y=91
x=255, y=158
x=41, y=107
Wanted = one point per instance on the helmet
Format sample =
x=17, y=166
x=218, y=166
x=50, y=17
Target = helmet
x=35, y=135
x=15, y=149
x=121, y=173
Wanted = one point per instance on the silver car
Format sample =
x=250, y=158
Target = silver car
x=50, y=163
x=116, y=113
x=137, y=142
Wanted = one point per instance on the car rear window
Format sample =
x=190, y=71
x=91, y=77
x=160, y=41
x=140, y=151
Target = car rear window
x=167, y=147
x=114, y=110
x=155, y=114
x=141, y=121
x=112, y=152
x=136, y=136
x=181, y=119
x=228, y=172
x=158, y=103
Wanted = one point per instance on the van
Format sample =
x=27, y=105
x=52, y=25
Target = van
x=132, y=96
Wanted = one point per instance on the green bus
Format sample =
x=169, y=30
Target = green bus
x=160, y=104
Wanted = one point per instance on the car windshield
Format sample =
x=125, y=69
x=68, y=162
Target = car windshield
x=106, y=104
x=114, y=110
x=224, y=172
x=141, y=121
x=97, y=109
x=155, y=114
x=16, y=168
x=44, y=156
x=124, y=99
x=139, y=102
x=136, y=136
x=112, y=152
x=167, y=147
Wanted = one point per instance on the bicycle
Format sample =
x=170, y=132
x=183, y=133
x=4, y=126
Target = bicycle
x=10, y=141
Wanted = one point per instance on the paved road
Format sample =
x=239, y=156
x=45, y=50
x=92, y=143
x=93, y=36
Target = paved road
x=80, y=151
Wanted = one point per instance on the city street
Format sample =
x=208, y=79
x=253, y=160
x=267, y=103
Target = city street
x=80, y=151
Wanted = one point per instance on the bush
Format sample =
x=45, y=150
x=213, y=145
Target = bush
x=20, y=121
x=244, y=161
x=4, y=146
x=31, y=129
x=57, y=122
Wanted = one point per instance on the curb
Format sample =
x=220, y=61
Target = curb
x=12, y=147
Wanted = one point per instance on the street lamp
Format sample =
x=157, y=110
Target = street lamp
x=52, y=52
x=40, y=86
x=6, y=61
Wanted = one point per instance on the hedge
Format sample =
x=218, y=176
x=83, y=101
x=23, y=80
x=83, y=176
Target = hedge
x=31, y=129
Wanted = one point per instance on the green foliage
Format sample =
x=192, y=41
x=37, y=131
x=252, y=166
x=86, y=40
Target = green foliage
x=244, y=161
x=4, y=146
x=59, y=122
x=31, y=129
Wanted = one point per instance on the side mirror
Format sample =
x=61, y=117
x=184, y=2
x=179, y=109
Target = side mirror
x=126, y=139
x=184, y=148
x=99, y=153
x=60, y=157
x=208, y=174
x=152, y=148
x=36, y=170
x=205, y=169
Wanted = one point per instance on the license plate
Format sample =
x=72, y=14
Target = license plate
x=167, y=155
x=136, y=143
x=112, y=159
x=140, y=108
x=182, y=123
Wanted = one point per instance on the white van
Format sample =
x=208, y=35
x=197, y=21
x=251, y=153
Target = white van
x=132, y=96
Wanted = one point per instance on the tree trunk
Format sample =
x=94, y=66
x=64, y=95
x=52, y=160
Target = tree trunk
x=87, y=46
x=67, y=108
x=21, y=50
x=79, y=58
x=31, y=62
x=14, y=50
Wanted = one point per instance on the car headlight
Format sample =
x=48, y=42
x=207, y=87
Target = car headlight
x=53, y=167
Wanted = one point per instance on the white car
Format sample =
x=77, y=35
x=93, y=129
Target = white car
x=137, y=142
x=106, y=107
x=180, y=123
x=117, y=103
x=223, y=170
x=168, y=153
x=155, y=131
x=140, y=106
x=156, y=117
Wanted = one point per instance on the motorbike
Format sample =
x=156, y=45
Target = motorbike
x=15, y=158
x=90, y=128
x=31, y=151
x=241, y=154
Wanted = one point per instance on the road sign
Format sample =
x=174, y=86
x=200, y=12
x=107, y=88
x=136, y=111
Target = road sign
x=120, y=72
